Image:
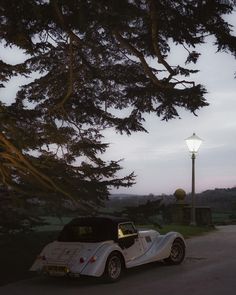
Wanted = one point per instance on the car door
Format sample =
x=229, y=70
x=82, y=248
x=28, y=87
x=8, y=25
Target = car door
x=129, y=241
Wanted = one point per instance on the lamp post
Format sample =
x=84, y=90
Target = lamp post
x=193, y=142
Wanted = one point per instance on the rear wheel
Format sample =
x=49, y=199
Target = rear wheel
x=114, y=266
x=177, y=252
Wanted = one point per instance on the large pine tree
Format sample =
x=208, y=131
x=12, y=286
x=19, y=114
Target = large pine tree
x=94, y=57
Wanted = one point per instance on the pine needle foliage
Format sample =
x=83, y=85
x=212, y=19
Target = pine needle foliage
x=95, y=59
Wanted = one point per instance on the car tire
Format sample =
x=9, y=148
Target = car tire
x=114, y=268
x=177, y=253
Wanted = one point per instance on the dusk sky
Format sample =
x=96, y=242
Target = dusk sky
x=160, y=159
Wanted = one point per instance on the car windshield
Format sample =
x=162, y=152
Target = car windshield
x=84, y=233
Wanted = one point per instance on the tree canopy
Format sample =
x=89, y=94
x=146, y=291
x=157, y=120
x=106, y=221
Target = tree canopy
x=92, y=59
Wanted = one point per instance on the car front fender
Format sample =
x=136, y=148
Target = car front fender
x=164, y=247
x=159, y=250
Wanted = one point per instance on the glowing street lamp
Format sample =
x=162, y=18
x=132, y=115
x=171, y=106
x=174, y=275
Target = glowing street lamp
x=193, y=142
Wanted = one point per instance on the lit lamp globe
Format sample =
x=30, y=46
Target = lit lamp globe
x=193, y=142
x=180, y=195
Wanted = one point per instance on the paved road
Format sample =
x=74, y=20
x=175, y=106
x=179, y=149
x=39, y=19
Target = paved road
x=209, y=269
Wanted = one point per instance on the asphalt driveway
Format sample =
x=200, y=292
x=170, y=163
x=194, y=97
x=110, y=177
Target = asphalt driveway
x=209, y=268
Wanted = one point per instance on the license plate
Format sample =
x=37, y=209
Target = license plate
x=56, y=269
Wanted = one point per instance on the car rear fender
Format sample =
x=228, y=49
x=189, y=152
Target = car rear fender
x=40, y=260
x=96, y=266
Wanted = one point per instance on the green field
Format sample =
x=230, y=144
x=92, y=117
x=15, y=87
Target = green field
x=185, y=230
x=54, y=223
x=221, y=218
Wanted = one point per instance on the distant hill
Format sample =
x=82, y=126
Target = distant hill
x=120, y=201
x=218, y=199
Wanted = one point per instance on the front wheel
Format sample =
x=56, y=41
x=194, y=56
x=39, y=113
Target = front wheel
x=177, y=252
x=113, y=268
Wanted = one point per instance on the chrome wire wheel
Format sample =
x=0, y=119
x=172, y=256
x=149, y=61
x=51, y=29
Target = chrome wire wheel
x=113, y=268
x=177, y=252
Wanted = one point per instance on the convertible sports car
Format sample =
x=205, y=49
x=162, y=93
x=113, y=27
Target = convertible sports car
x=104, y=247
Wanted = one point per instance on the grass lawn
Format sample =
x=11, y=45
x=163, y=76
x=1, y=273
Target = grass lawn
x=186, y=230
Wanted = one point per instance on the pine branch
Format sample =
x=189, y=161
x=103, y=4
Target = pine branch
x=155, y=33
x=124, y=42
x=183, y=82
x=49, y=183
x=70, y=78
x=63, y=24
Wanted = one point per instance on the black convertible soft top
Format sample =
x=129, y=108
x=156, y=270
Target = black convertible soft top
x=101, y=219
x=101, y=229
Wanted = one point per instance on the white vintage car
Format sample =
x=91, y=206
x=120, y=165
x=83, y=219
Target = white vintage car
x=104, y=247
